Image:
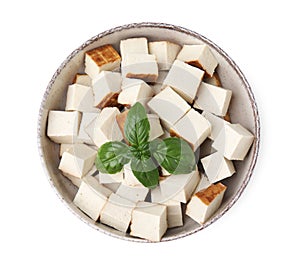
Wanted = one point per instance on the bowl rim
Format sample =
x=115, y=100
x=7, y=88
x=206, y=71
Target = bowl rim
x=256, y=143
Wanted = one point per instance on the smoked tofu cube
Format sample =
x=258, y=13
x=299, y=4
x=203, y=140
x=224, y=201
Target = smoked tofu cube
x=205, y=203
x=87, y=118
x=117, y=212
x=217, y=124
x=180, y=187
x=107, y=178
x=169, y=106
x=63, y=126
x=83, y=79
x=193, y=128
x=129, y=177
x=217, y=167
x=91, y=197
x=199, y=56
x=102, y=58
x=234, y=141
x=149, y=221
x=134, y=45
x=135, y=93
x=133, y=193
x=78, y=160
x=104, y=127
x=213, y=99
x=106, y=88
x=155, y=127
x=140, y=66
x=184, y=79
x=165, y=53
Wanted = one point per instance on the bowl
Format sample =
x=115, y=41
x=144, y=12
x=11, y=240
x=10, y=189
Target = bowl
x=243, y=109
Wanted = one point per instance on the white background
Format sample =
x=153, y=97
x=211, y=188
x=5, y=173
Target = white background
x=261, y=229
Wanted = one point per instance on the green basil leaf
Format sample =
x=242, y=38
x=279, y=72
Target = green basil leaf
x=137, y=126
x=145, y=171
x=112, y=156
x=174, y=154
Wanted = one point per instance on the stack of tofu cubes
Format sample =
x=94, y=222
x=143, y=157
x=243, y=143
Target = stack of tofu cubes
x=168, y=79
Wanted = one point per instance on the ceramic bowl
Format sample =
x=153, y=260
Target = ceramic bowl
x=243, y=109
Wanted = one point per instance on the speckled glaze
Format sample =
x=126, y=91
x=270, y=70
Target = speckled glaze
x=243, y=109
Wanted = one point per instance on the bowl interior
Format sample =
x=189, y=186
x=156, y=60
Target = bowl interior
x=242, y=109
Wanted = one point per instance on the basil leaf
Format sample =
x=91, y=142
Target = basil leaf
x=137, y=126
x=112, y=156
x=145, y=171
x=174, y=154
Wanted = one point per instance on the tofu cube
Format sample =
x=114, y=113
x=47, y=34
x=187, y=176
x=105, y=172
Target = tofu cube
x=133, y=193
x=140, y=66
x=155, y=127
x=104, y=127
x=87, y=118
x=134, y=45
x=169, y=106
x=217, y=124
x=234, y=141
x=213, y=99
x=180, y=187
x=106, y=88
x=107, y=178
x=129, y=177
x=165, y=53
x=63, y=126
x=199, y=56
x=184, y=79
x=78, y=160
x=91, y=197
x=193, y=128
x=135, y=93
x=83, y=79
x=149, y=221
x=117, y=212
x=102, y=58
x=217, y=167
x=205, y=203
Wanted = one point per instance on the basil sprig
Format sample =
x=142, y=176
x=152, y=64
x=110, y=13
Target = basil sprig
x=173, y=154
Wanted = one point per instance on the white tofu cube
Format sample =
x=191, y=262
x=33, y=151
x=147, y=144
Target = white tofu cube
x=184, y=79
x=134, y=45
x=234, y=141
x=80, y=98
x=129, y=178
x=64, y=147
x=75, y=180
x=155, y=127
x=217, y=124
x=213, y=99
x=83, y=79
x=133, y=193
x=135, y=93
x=165, y=53
x=106, y=87
x=180, y=187
x=107, y=178
x=217, y=167
x=63, y=126
x=101, y=58
x=199, y=56
x=193, y=128
x=205, y=203
x=203, y=183
x=78, y=160
x=169, y=106
x=140, y=66
x=104, y=127
x=117, y=212
x=87, y=118
x=149, y=221
x=91, y=197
